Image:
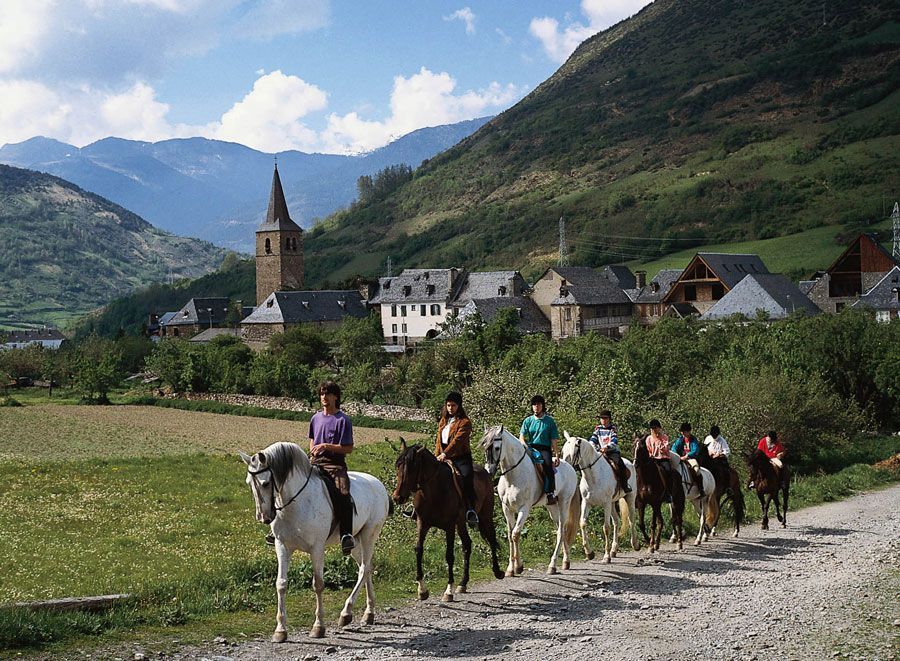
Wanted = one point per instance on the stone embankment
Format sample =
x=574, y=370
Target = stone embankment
x=289, y=404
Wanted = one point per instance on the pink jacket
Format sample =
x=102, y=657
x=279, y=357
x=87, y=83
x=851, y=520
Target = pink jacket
x=658, y=447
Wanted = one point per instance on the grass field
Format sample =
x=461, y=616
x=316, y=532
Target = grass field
x=152, y=502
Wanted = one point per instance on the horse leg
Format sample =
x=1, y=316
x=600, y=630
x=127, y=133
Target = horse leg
x=700, y=507
x=359, y=554
x=467, y=552
x=517, y=535
x=559, y=520
x=317, y=555
x=489, y=534
x=655, y=531
x=674, y=536
x=510, y=530
x=284, y=562
x=448, y=556
x=369, y=555
x=421, y=588
x=629, y=503
x=585, y=534
x=764, y=506
x=606, y=547
x=784, y=494
x=616, y=526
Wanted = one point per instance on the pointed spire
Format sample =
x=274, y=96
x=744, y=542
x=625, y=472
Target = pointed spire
x=277, y=216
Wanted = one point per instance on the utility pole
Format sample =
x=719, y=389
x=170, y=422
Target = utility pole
x=563, y=249
x=895, y=221
x=390, y=267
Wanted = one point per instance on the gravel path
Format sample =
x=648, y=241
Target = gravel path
x=830, y=581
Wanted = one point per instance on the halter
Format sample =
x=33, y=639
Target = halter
x=499, y=455
x=419, y=482
x=577, y=458
x=253, y=475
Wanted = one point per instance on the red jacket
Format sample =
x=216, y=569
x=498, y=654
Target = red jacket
x=772, y=453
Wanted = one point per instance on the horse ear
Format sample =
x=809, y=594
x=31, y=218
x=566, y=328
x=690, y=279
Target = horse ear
x=261, y=458
x=501, y=430
x=566, y=434
x=402, y=444
x=245, y=457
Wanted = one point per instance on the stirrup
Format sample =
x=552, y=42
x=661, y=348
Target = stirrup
x=409, y=513
x=347, y=544
x=472, y=518
x=270, y=539
x=552, y=499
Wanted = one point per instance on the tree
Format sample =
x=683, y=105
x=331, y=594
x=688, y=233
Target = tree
x=96, y=369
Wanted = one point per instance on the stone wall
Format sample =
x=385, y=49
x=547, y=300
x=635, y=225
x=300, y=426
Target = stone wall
x=289, y=404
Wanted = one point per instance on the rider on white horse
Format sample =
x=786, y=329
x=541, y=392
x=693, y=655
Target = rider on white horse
x=539, y=432
x=606, y=439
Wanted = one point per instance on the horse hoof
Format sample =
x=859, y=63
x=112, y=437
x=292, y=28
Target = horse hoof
x=279, y=636
x=317, y=632
x=423, y=595
x=520, y=569
x=370, y=618
x=552, y=570
x=500, y=575
x=509, y=573
x=613, y=554
x=606, y=560
x=680, y=546
x=461, y=589
x=590, y=556
x=345, y=620
x=447, y=597
x=735, y=534
x=566, y=564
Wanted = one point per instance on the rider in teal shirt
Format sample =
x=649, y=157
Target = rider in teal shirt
x=540, y=433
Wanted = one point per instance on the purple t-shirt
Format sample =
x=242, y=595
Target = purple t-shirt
x=333, y=429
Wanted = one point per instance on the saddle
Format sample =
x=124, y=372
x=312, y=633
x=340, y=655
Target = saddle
x=616, y=472
x=333, y=493
x=456, y=478
x=540, y=469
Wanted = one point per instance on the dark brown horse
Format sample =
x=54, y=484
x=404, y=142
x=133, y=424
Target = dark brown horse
x=654, y=487
x=728, y=489
x=769, y=483
x=438, y=504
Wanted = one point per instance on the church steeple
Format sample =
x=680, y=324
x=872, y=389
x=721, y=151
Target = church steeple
x=279, y=247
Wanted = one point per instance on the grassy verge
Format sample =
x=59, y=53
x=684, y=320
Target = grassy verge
x=178, y=533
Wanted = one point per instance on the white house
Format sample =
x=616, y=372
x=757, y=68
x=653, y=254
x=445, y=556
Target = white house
x=49, y=338
x=415, y=303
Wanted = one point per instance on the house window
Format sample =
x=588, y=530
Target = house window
x=393, y=328
x=422, y=310
x=718, y=291
x=403, y=328
x=435, y=309
x=690, y=292
x=268, y=247
x=393, y=310
x=501, y=290
x=568, y=314
x=839, y=306
x=402, y=310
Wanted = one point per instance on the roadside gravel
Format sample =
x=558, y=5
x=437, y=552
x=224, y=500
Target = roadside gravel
x=826, y=587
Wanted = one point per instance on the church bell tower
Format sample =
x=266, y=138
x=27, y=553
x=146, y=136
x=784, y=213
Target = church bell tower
x=279, y=248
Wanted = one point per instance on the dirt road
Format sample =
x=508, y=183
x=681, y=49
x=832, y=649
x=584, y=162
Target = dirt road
x=826, y=587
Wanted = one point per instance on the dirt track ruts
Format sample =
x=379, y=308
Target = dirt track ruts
x=830, y=583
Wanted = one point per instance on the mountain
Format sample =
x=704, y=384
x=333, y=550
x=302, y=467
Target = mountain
x=693, y=121
x=64, y=251
x=218, y=190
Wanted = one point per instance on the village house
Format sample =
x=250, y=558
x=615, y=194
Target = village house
x=196, y=315
x=578, y=299
x=648, y=297
x=414, y=304
x=762, y=295
x=884, y=297
x=706, y=280
x=49, y=338
x=529, y=317
x=283, y=310
x=857, y=270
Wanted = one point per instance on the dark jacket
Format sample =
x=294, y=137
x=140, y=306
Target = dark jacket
x=458, y=442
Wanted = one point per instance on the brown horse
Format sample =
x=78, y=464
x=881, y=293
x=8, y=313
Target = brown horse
x=438, y=504
x=654, y=485
x=728, y=488
x=768, y=484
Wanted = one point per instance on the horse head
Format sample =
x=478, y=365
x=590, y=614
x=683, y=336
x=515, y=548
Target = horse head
x=572, y=449
x=266, y=474
x=408, y=467
x=492, y=444
x=641, y=454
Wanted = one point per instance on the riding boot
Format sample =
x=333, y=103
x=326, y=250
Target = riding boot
x=623, y=472
x=468, y=484
x=698, y=480
x=344, y=514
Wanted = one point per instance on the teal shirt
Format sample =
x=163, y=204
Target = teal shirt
x=539, y=432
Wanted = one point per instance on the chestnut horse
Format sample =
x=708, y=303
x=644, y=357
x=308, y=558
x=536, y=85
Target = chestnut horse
x=768, y=484
x=728, y=488
x=438, y=504
x=653, y=485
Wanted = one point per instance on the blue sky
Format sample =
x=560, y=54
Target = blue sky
x=316, y=75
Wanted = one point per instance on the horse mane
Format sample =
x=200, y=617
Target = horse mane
x=282, y=458
x=489, y=436
x=408, y=453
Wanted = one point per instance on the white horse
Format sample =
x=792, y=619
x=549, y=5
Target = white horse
x=600, y=487
x=293, y=498
x=707, y=508
x=520, y=489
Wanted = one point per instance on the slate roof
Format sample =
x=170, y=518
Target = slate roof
x=586, y=286
x=489, y=284
x=883, y=296
x=166, y=318
x=531, y=319
x=620, y=275
x=211, y=333
x=650, y=294
x=732, y=268
x=771, y=292
x=297, y=307
x=806, y=286
x=277, y=216
x=196, y=311
x=416, y=286
x=36, y=335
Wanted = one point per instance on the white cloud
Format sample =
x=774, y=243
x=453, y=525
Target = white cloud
x=507, y=40
x=23, y=24
x=30, y=109
x=269, y=18
x=559, y=43
x=423, y=99
x=466, y=16
x=268, y=117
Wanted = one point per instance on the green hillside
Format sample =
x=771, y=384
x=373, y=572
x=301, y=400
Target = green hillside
x=693, y=122
x=64, y=251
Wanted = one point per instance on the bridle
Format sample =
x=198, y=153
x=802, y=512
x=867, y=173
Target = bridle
x=419, y=483
x=496, y=463
x=258, y=487
x=576, y=459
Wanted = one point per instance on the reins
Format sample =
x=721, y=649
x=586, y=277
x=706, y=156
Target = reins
x=293, y=498
x=502, y=473
x=576, y=466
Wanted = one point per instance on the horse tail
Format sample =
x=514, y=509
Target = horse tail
x=712, y=510
x=573, y=517
x=625, y=513
x=390, y=506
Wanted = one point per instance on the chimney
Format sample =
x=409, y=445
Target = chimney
x=641, y=279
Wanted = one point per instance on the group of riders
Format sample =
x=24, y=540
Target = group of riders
x=331, y=440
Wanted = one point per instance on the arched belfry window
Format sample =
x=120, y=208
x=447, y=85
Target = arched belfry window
x=268, y=246
x=294, y=243
x=287, y=243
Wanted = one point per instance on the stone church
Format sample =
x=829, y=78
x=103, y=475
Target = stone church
x=279, y=248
